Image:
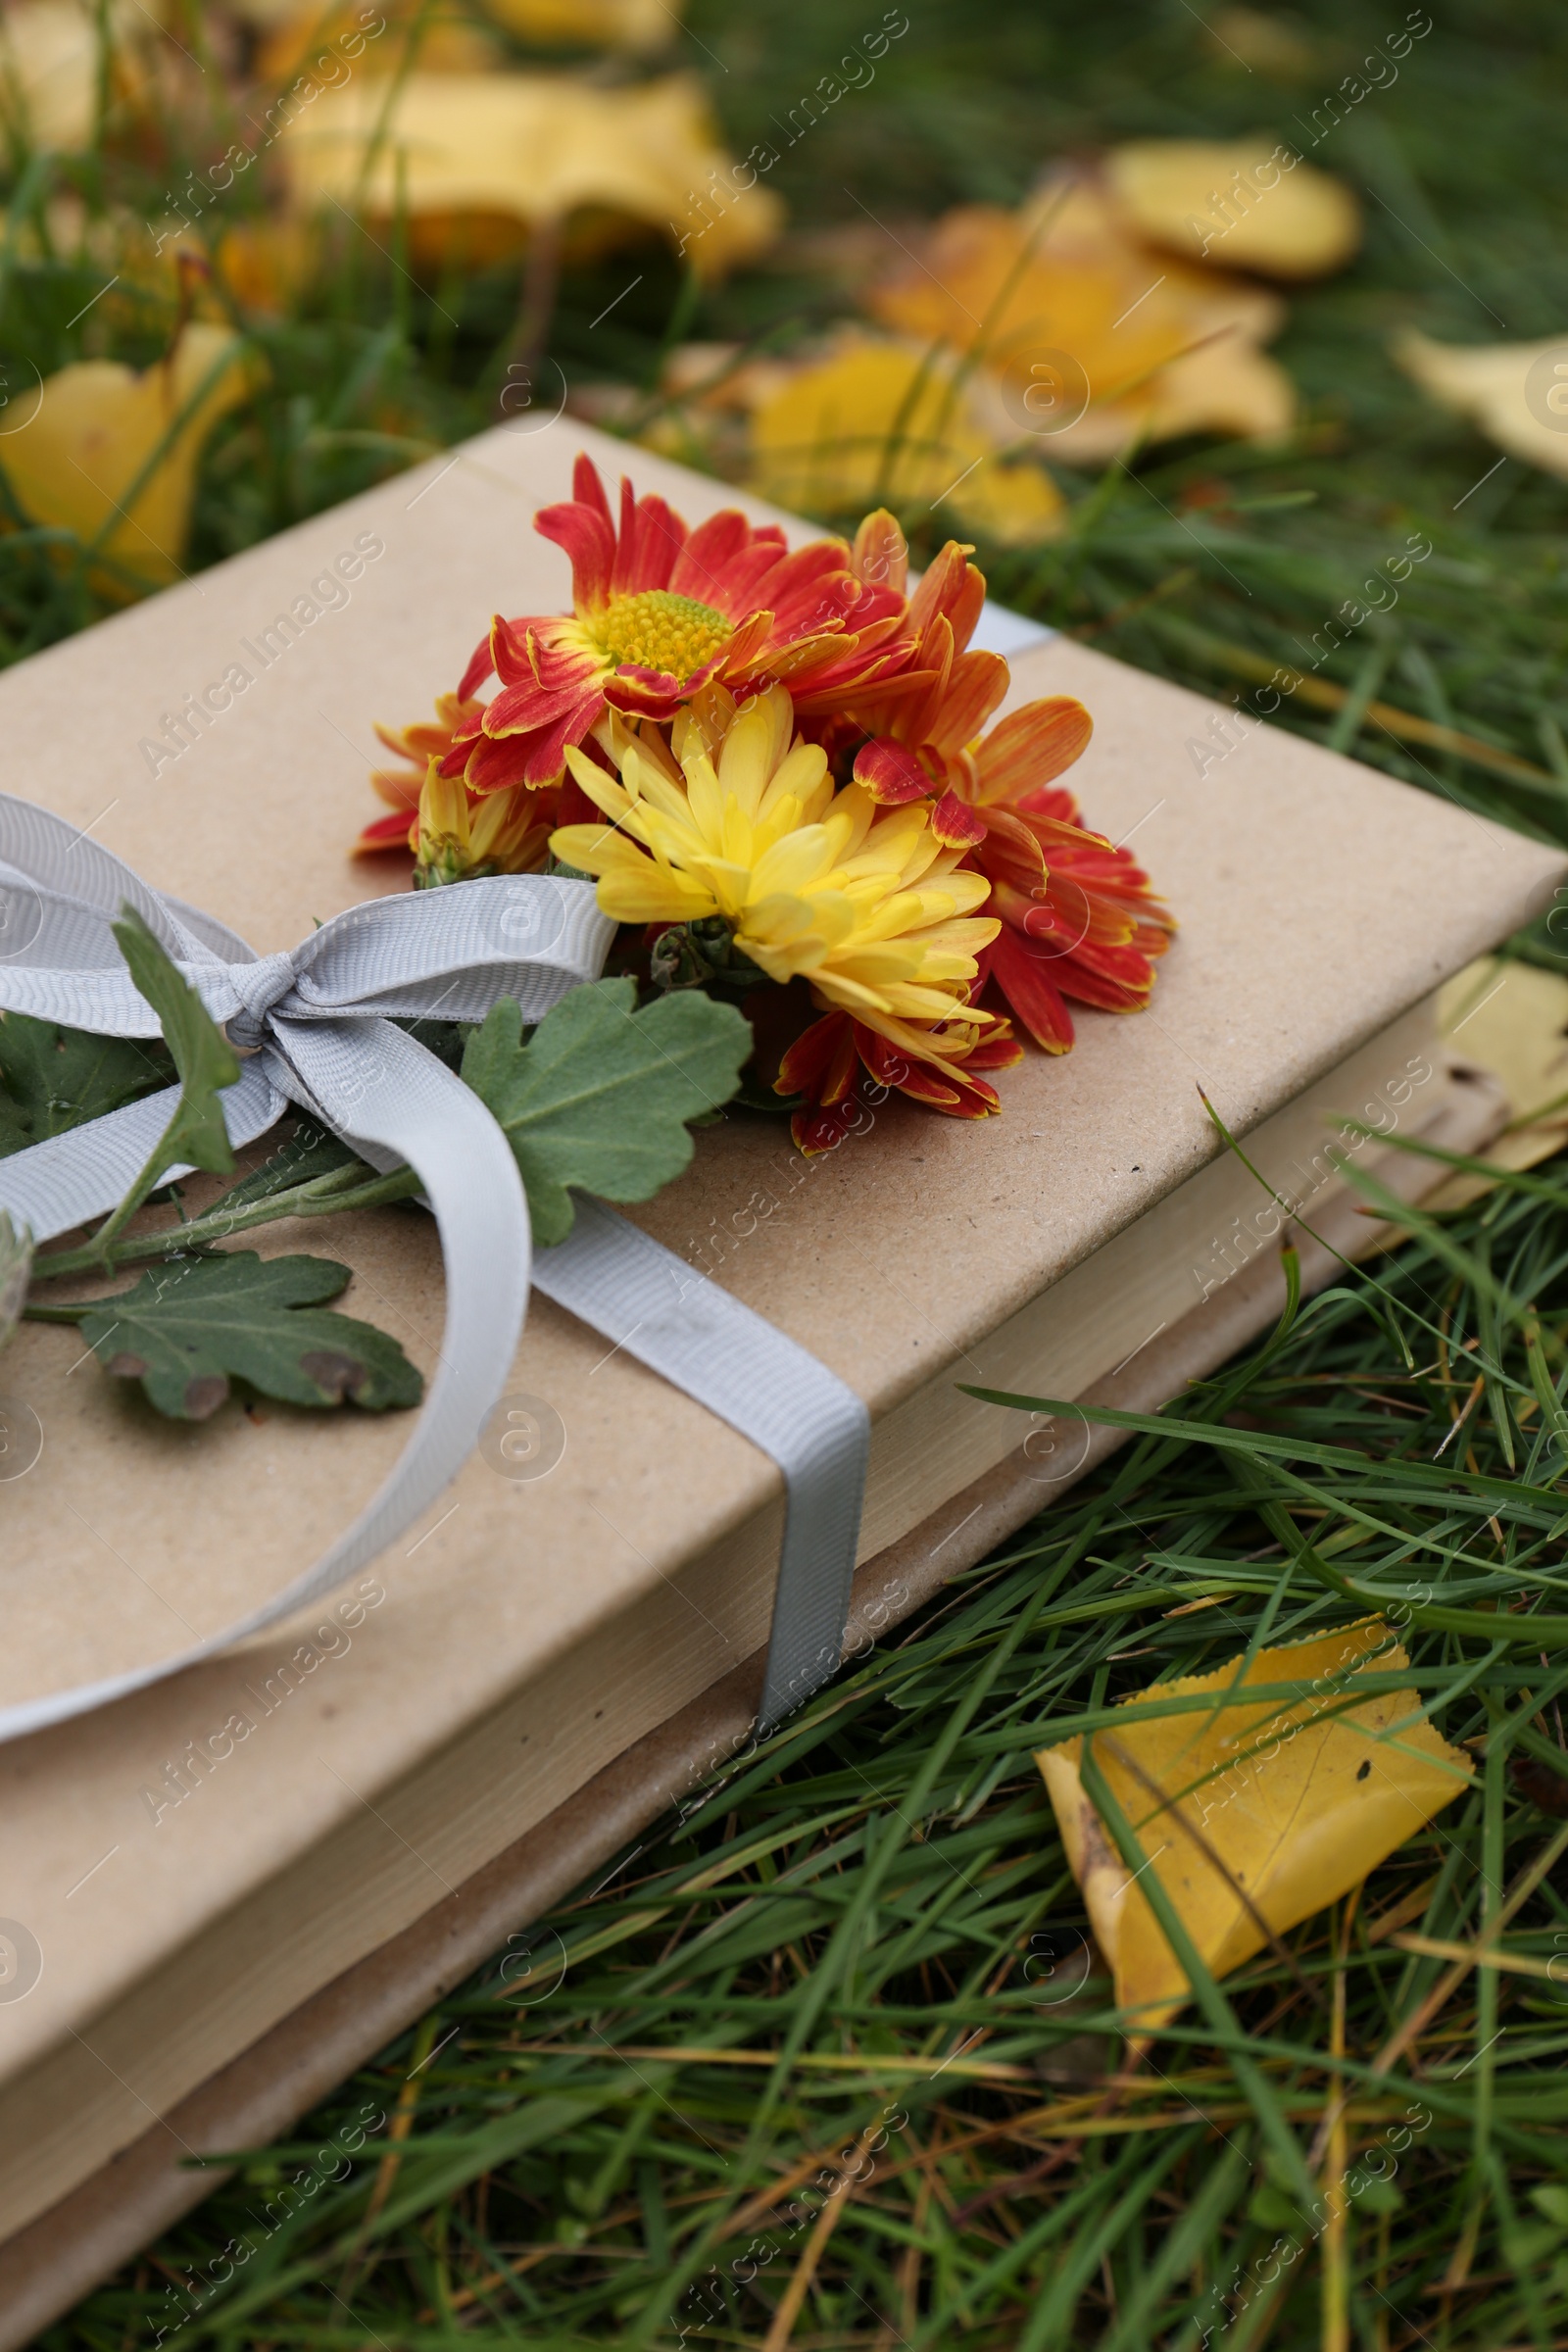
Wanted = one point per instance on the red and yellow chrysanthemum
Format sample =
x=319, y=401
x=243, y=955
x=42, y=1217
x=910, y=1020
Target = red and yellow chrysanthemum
x=658, y=611
x=802, y=786
x=401, y=787
x=923, y=734
x=1078, y=915
x=832, y=1063
x=732, y=817
x=452, y=834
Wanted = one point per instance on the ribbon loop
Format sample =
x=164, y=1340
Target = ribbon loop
x=315, y=1022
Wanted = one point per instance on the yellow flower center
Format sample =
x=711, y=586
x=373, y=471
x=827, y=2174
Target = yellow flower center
x=656, y=629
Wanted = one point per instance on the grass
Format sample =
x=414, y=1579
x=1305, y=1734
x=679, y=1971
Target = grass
x=823, y=2063
x=834, y=2032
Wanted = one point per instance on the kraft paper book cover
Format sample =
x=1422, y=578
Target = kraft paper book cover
x=282, y=1810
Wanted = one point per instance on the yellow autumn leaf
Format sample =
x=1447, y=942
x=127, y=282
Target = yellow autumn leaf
x=48, y=72
x=1516, y=393
x=1087, y=340
x=877, y=422
x=89, y=449
x=643, y=26
x=305, y=38
x=263, y=265
x=1240, y=203
x=1512, y=1019
x=1253, y=1814
x=523, y=149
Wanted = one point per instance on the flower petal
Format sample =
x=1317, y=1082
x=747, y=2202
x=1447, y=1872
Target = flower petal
x=481, y=662
x=890, y=774
x=392, y=832
x=1031, y=993
x=1031, y=746
x=955, y=824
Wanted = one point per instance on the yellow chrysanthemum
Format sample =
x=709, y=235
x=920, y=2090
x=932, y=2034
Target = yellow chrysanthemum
x=506, y=833
x=728, y=817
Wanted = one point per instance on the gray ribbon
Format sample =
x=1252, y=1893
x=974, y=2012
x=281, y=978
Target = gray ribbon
x=748, y=1372
x=316, y=1026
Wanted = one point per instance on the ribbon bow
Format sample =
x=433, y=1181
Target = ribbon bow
x=315, y=1025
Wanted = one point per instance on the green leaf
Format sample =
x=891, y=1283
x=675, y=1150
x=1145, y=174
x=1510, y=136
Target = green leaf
x=54, y=1079
x=600, y=1094
x=203, y=1056
x=188, y=1329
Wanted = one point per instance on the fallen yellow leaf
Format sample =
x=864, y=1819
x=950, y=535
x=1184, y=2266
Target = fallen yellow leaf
x=1512, y=1019
x=640, y=26
x=104, y=446
x=48, y=72
x=264, y=263
x=878, y=421
x=1253, y=1815
x=1242, y=205
x=303, y=36
x=1516, y=393
x=462, y=150
x=1088, y=340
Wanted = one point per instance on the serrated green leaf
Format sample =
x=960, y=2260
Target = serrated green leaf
x=188, y=1329
x=54, y=1079
x=600, y=1094
x=203, y=1056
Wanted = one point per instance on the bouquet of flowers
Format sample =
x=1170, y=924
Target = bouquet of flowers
x=778, y=765
x=826, y=874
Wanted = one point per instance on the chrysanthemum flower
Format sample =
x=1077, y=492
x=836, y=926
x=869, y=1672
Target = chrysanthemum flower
x=401, y=787
x=923, y=733
x=733, y=816
x=657, y=612
x=458, y=837
x=831, y=1064
x=925, y=729
x=1079, y=916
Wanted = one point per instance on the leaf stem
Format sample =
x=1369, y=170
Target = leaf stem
x=322, y=1197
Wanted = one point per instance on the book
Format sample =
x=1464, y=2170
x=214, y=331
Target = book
x=449, y=1742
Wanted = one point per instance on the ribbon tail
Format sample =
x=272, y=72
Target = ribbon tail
x=387, y=1092
x=631, y=1288
x=69, y=1179
x=376, y=1083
